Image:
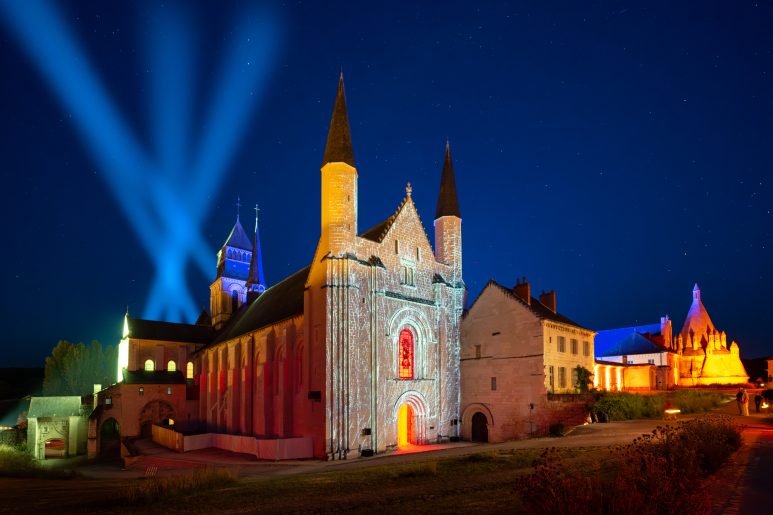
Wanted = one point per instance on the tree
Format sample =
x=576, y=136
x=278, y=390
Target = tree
x=583, y=379
x=74, y=369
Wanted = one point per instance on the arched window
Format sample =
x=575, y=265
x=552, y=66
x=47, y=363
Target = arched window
x=189, y=370
x=149, y=366
x=171, y=366
x=234, y=300
x=405, y=355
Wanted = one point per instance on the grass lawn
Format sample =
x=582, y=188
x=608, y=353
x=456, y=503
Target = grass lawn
x=479, y=482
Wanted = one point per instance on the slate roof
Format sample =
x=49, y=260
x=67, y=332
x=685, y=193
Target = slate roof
x=535, y=307
x=154, y=377
x=169, y=331
x=238, y=237
x=448, y=200
x=281, y=301
x=627, y=341
x=69, y=406
x=339, y=139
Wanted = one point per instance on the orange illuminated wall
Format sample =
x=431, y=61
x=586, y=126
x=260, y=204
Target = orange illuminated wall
x=406, y=355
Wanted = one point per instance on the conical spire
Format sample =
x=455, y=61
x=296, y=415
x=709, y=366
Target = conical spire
x=255, y=279
x=447, y=202
x=339, y=139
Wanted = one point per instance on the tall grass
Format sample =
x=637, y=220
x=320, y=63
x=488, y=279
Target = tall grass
x=158, y=489
x=658, y=473
x=17, y=461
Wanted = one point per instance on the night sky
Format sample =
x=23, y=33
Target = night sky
x=615, y=152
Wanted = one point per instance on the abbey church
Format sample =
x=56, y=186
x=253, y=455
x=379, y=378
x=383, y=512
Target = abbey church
x=356, y=353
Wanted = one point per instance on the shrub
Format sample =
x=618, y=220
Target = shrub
x=627, y=406
x=656, y=473
x=557, y=429
x=17, y=461
x=156, y=489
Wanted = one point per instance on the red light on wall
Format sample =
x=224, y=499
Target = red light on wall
x=406, y=355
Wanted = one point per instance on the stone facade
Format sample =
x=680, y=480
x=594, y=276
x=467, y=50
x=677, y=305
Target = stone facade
x=515, y=350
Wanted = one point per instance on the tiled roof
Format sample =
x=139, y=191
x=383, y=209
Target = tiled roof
x=154, y=377
x=535, y=307
x=627, y=341
x=69, y=406
x=169, y=331
x=281, y=301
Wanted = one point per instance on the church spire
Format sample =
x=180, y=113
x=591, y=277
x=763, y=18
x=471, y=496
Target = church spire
x=339, y=139
x=447, y=202
x=255, y=281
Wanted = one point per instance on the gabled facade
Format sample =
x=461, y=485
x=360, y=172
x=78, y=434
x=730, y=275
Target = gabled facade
x=515, y=350
x=356, y=352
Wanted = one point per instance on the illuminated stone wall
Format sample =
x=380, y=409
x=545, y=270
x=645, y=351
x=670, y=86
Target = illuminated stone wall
x=506, y=354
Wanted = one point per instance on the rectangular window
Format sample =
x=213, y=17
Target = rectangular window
x=552, y=377
x=418, y=254
x=493, y=383
x=586, y=348
x=142, y=391
x=574, y=346
x=169, y=390
x=397, y=246
x=651, y=361
x=574, y=378
x=561, y=377
x=408, y=276
x=561, y=344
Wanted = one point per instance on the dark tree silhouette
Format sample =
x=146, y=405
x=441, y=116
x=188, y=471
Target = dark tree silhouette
x=74, y=368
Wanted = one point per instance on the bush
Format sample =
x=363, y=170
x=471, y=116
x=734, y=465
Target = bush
x=158, y=489
x=628, y=406
x=17, y=461
x=557, y=429
x=657, y=473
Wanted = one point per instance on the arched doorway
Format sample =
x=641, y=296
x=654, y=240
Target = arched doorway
x=109, y=439
x=55, y=448
x=406, y=434
x=479, y=428
x=154, y=412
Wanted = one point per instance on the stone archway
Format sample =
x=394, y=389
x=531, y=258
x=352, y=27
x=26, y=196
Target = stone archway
x=479, y=430
x=154, y=412
x=109, y=439
x=410, y=418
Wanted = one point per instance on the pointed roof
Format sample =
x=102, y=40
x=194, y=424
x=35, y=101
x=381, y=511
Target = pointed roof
x=256, y=262
x=339, y=139
x=448, y=201
x=238, y=237
x=698, y=321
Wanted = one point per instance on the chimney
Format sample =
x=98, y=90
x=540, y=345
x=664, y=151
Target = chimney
x=548, y=300
x=523, y=291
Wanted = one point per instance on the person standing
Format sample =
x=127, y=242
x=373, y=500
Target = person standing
x=757, y=402
x=738, y=397
x=744, y=403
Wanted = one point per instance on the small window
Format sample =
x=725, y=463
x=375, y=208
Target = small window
x=477, y=352
x=552, y=377
x=575, y=379
x=109, y=401
x=418, y=254
x=171, y=366
x=574, y=346
x=630, y=362
x=586, y=348
x=189, y=370
x=142, y=391
x=397, y=246
x=234, y=300
x=405, y=355
x=169, y=390
x=561, y=377
x=561, y=344
x=407, y=278
x=493, y=383
x=651, y=361
x=149, y=366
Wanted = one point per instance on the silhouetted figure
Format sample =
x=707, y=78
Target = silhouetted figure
x=757, y=402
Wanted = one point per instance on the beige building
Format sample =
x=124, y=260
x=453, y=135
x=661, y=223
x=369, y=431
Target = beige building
x=515, y=350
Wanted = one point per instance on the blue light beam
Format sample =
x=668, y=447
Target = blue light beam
x=145, y=187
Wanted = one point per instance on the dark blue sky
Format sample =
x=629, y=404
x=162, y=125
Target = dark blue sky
x=616, y=152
